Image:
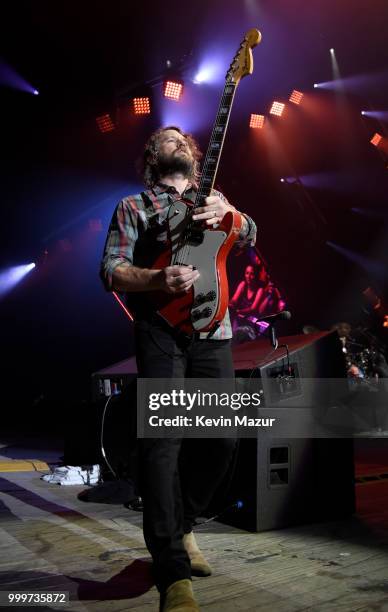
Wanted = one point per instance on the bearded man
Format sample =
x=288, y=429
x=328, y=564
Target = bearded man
x=177, y=479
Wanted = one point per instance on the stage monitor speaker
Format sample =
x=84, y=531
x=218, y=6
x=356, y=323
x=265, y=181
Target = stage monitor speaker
x=284, y=482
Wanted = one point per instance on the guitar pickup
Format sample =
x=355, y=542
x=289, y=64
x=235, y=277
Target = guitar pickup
x=195, y=235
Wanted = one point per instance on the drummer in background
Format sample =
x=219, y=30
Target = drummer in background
x=364, y=358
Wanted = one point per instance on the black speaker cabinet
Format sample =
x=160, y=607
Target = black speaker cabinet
x=284, y=482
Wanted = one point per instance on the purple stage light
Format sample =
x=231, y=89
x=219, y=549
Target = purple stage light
x=357, y=84
x=381, y=115
x=11, y=277
x=334, y=85
x=10, y=78
x=210, y=71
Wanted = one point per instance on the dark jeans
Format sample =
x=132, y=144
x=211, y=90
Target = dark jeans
x=178, y=477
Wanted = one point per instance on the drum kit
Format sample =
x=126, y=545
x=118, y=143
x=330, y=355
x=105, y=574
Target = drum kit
x=368, y=373
x=365, y=359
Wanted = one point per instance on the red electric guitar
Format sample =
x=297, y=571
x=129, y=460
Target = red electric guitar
x=204, y=306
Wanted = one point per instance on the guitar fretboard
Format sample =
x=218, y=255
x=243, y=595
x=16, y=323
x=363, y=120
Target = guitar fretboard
x=213, y=153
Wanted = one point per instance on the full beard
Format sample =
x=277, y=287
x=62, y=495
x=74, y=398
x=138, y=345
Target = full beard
x=175, y=163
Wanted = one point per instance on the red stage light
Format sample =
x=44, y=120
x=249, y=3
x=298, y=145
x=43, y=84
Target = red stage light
x=105, y=123
x=296, y=97
x=277, y=108
x=172, y=90
x=377, y=138
x=257, y=121
x=141, y=106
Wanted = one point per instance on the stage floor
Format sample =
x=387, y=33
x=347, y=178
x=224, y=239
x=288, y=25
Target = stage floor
x=51, y=541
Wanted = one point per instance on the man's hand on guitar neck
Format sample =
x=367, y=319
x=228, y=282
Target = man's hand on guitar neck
x=214, y=211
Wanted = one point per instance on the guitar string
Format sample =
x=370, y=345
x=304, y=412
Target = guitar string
x=203, y=190
x=183, y=251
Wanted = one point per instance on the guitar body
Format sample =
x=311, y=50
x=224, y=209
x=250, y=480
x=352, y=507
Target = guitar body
x=205, y=305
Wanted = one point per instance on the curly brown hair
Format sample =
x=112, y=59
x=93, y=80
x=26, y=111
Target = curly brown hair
x=149, y=163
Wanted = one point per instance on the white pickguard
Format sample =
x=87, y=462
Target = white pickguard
x=203, y=257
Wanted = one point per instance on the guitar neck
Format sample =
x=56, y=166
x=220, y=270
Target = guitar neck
x=216, y=143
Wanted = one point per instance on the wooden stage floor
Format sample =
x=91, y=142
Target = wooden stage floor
x=50, y=541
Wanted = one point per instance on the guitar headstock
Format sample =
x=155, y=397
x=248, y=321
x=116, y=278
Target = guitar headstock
x=242, y=63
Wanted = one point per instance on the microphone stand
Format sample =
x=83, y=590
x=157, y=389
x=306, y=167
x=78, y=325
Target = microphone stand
x=272, y=336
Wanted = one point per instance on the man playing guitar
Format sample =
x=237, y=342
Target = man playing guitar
x=138, y=234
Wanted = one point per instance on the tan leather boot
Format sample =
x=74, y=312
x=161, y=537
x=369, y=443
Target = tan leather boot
x=179, y=597
x=199, y=565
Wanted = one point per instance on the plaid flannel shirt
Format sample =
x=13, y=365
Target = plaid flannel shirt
x=138, y=233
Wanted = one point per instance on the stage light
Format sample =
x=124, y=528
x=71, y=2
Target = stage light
x=332, y=51
x=172, y=89
x=282, y=180
x=10, y=78
x=277, y=108
x=296, y=97
x=142, y=106
x=257, y=121
x=11, y=277
x=316, y=85
x=203, y=75
x=105, y=123
x=376, y=139
x=380, y=115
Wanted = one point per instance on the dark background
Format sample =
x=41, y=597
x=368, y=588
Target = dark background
x=58, y=172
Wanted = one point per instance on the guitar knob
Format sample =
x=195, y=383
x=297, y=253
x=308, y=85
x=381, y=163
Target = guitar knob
x=206, y=312
x=195, y=316
x=201, y=314
x=211, y=296
x=200, y=299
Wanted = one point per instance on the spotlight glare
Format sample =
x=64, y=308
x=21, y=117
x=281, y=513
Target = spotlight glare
x=35, y=92
x=277, y=108
x=296, y=97
x=257, y=121
x=282, y=180
x=316, y=85
x=172, y=90
x=10, y=277
x=332, y=51
x=202, y=76
x=141, y=106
